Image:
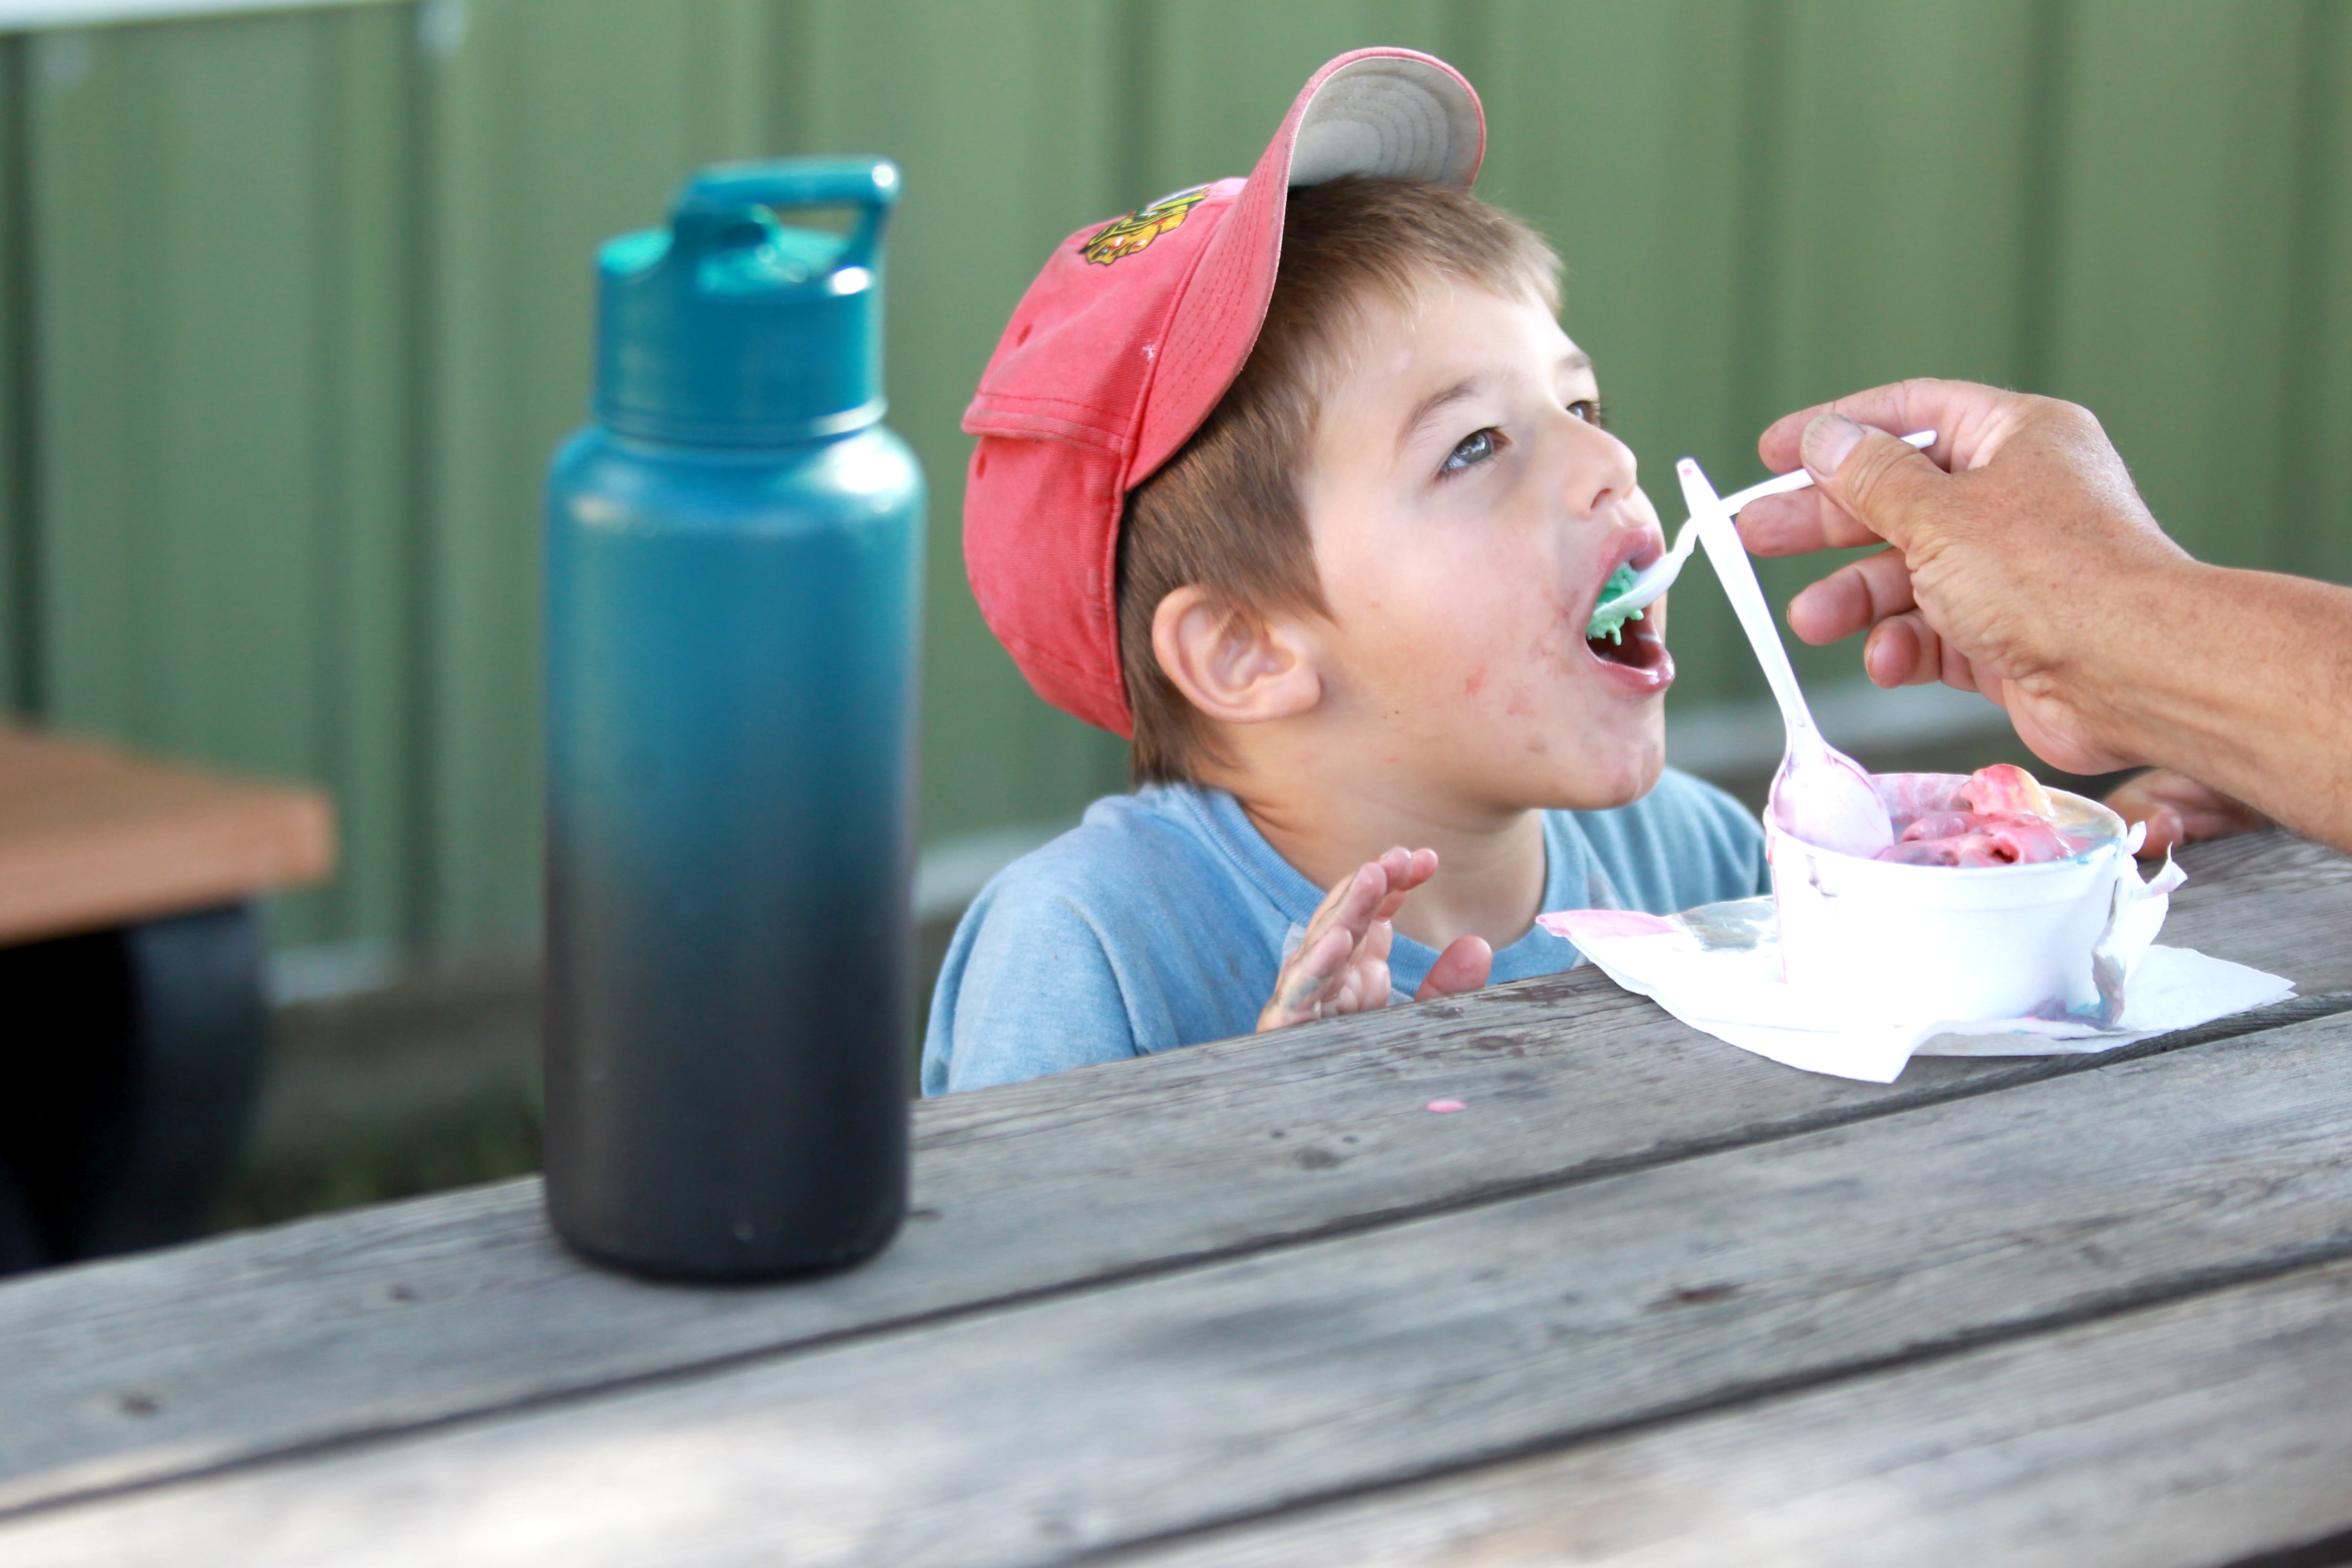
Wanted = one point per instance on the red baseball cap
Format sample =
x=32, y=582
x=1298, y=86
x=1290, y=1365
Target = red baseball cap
x=1129, y=336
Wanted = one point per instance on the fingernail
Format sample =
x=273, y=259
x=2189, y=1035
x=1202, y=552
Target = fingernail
x=1874, y=660
x=1828, y=439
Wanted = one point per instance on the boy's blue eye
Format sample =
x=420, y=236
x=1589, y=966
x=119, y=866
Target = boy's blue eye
x=1588, y=409
x=1476, y=448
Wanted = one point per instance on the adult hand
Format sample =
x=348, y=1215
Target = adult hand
x=2021, y=556
x=2179, y=810
x=1341, y=965
x=2025, y=566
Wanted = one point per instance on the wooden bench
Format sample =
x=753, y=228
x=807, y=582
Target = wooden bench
x=131, y=957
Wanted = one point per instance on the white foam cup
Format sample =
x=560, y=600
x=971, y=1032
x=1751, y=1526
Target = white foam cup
x=1930, y=943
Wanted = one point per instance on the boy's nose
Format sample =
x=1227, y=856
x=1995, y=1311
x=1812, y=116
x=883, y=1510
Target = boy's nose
x=1601, y=469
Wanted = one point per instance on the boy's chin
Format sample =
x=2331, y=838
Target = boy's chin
x=1628, y=775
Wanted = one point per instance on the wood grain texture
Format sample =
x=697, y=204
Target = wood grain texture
x=418, y=1312
x=2272, y=900
x=1098, y=1418
x=2205, y=1432
x=90, y=838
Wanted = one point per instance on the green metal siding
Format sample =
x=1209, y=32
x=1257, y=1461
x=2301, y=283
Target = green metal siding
x=294, y=306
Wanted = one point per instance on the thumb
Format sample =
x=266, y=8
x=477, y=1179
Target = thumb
x=1465, y=966
x=1888, y=486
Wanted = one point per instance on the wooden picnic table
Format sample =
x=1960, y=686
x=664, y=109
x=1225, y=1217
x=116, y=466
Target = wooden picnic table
x=1646, y=1299
x=130, y=985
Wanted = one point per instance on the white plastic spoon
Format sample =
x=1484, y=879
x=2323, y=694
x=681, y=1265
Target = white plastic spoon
x=1820, y=796
x=1651, y=581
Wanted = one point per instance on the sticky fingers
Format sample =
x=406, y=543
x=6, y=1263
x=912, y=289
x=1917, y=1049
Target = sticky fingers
x=1353, y=905
x=1341, y=963
x=1346, y=938
x=1318, y=965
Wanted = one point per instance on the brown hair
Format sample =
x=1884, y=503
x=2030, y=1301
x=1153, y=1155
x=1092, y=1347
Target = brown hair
x=1225, y=512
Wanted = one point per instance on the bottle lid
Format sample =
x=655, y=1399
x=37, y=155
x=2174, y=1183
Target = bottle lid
x=731, y=329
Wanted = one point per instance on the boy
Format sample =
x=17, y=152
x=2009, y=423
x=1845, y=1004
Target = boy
x=1296, y=481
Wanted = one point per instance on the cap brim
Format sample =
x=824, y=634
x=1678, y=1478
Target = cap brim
x=1387, y=115
x=1395, y=113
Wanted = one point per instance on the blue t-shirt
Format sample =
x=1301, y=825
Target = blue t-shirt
x=1163, y=918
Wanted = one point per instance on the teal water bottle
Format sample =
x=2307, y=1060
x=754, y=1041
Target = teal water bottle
x=734, y=552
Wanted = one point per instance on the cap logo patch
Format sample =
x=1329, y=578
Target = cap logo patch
x=1122, y=237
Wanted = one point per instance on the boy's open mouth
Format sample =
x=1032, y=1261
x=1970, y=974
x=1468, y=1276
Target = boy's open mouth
x=1636, y=646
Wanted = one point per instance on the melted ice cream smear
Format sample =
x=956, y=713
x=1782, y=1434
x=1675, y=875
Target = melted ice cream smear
x=1999, y=815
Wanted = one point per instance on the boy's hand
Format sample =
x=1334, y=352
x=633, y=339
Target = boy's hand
x=2179, y=810
x=1341, y=965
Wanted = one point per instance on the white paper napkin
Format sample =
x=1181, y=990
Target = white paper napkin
x=1718, y=968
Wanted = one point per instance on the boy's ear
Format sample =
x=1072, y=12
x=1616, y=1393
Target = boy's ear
x=1233, y=664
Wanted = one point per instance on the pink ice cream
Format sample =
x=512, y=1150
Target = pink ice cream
x=2002, y=816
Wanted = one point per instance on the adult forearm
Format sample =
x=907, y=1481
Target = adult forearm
x=2242, y=680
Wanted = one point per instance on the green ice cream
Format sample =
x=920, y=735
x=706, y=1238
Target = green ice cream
x=1611, y=625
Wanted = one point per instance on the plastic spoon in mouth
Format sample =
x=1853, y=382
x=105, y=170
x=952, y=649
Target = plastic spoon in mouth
x=1820, y=796
x=1651, y=581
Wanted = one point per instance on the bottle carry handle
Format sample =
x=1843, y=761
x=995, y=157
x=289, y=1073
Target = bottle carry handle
x=725, y=196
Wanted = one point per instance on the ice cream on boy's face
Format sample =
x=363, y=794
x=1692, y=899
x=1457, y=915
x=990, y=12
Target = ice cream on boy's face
x=1467, y=508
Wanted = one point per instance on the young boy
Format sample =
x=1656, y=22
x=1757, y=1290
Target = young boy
x=1297, y=482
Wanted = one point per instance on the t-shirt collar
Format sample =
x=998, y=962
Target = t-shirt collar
x=1568, y=882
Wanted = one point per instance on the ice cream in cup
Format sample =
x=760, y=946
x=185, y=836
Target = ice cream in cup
x=1989, y=905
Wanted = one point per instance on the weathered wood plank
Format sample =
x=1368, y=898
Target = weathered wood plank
x=418, y=1312
x=90, y=838
x=2269, y=900
x=2206, y=1432
x=1095, y=1419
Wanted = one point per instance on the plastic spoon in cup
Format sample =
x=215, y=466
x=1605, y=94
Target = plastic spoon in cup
x=1820, y=796
x=1651, y=583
